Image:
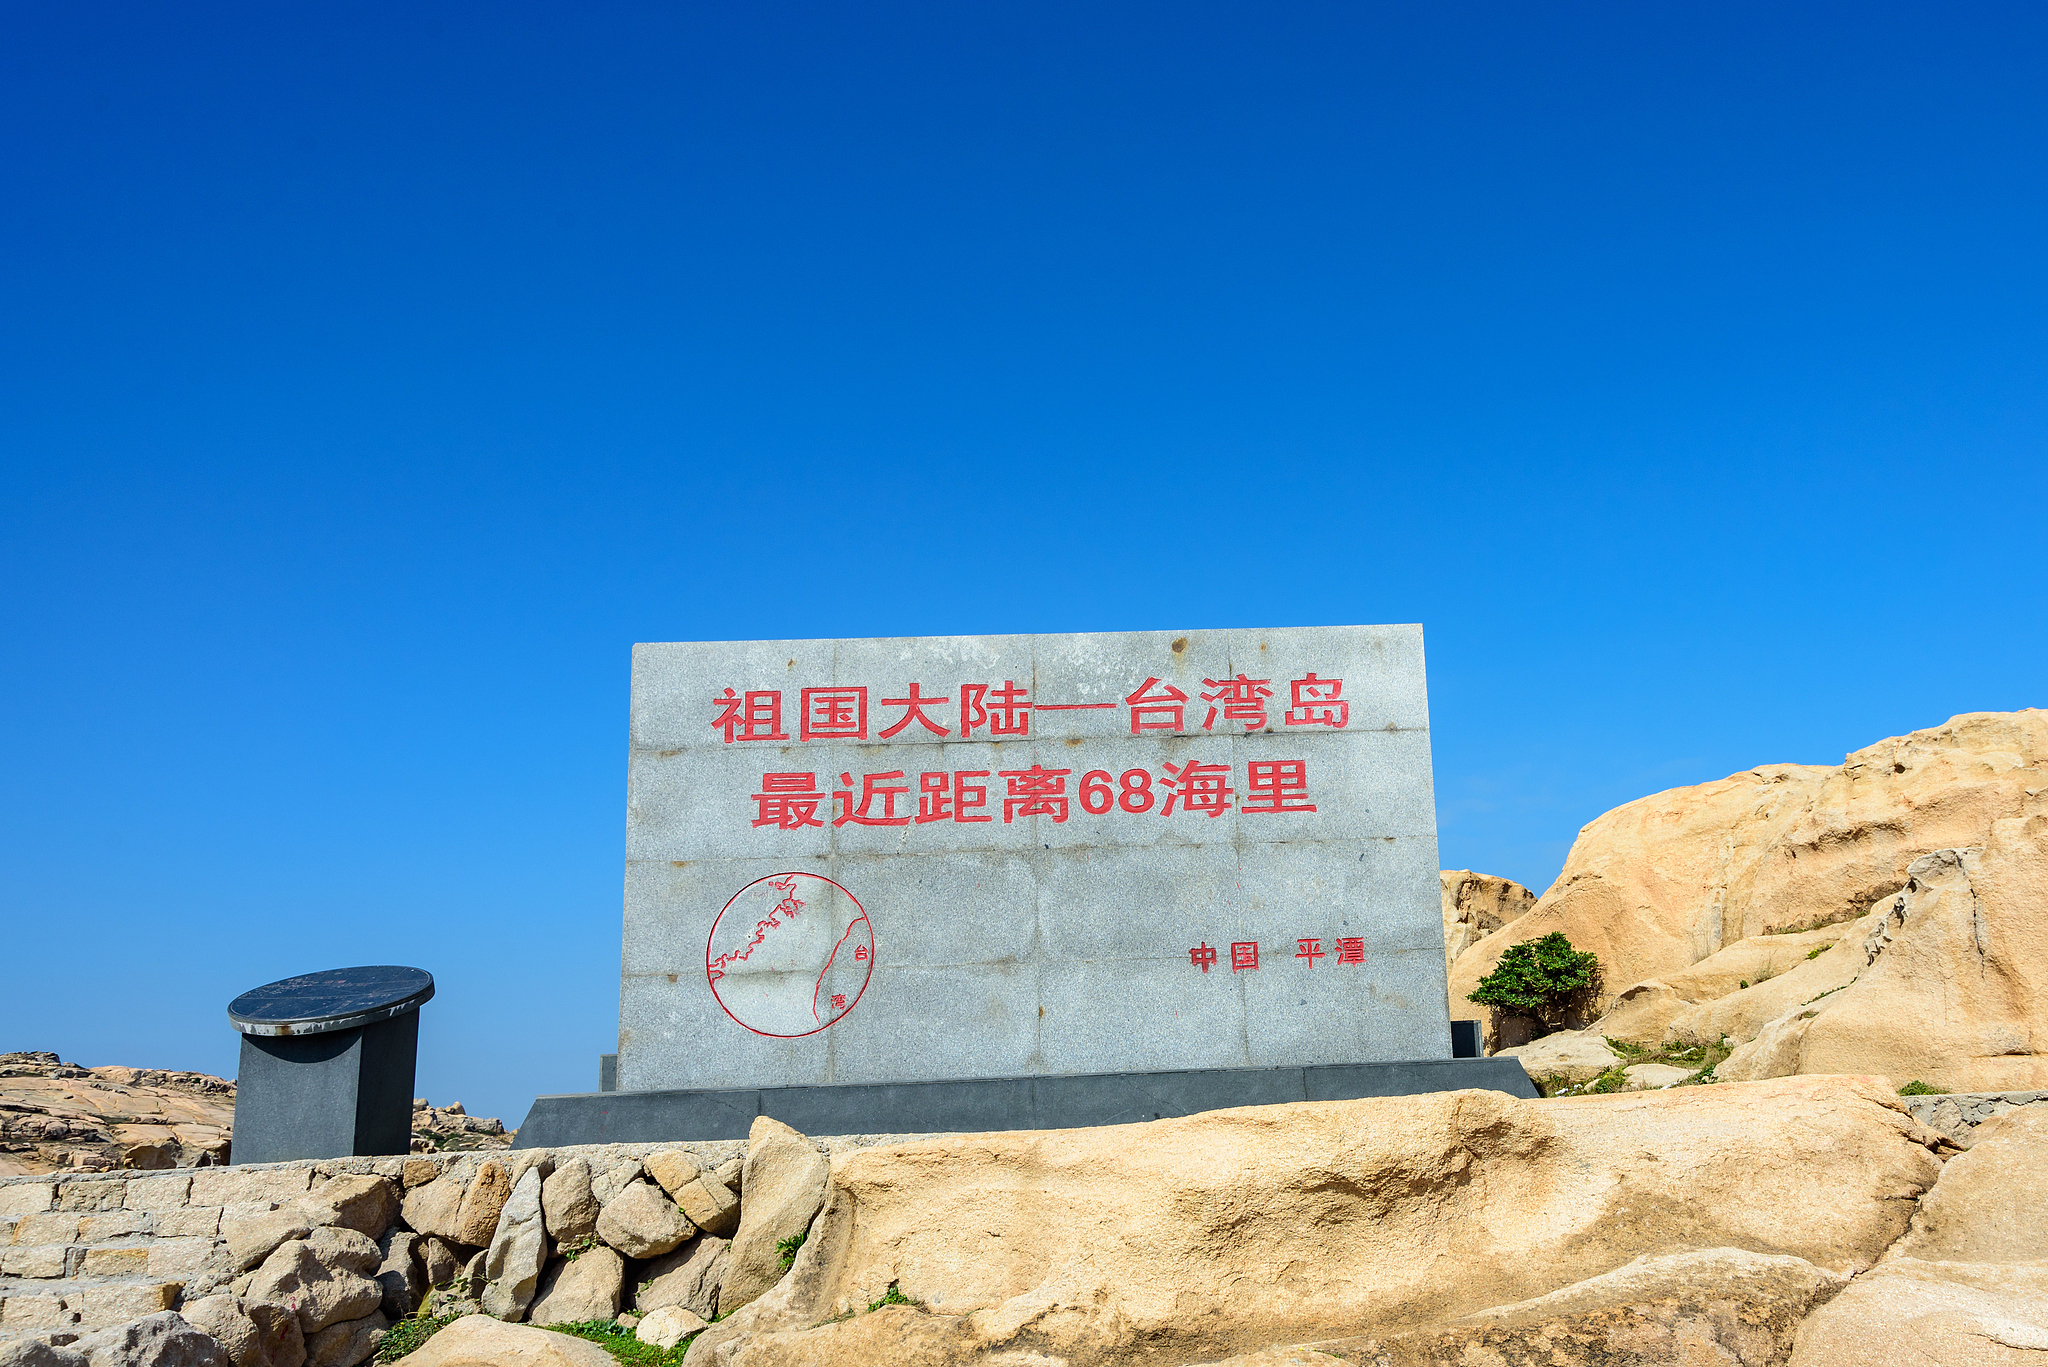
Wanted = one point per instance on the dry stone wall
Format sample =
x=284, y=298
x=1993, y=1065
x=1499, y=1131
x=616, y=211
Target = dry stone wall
x=307, y=1264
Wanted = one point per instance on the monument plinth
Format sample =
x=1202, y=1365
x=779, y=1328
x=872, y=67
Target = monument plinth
x=327, y=1064
x=893, y=880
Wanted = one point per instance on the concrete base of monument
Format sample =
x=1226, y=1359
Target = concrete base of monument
x=972, y=1106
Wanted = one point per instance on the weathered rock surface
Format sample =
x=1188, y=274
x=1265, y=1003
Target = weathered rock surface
x=567, y=1206
x=252, y=1333
x=688, y=1277
x=360, y=1202
x=1722, y=1305
x=1476, y=905
x=786, y=1180
x=1646, y=1076
x=1574, y=1055
x=324, y=1279
x=480, y=1341
x=120, y=1117
x=164, y=1339
x=347, y=1343
x=1932, y=1315
x=586, y=1287
x=641, y=1222
x=476, y=1220
x=1138, y=1243
x=519, y=1249
x=1657, y=885
x=400, y=1273
x=667, y=1326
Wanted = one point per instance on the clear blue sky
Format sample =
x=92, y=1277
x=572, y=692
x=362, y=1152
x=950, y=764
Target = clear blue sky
x=375, y=376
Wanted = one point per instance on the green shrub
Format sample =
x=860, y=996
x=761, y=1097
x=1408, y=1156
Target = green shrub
x=1539, y=978
x=1918, y=1088
x=410, y=1334
x=786, y=1249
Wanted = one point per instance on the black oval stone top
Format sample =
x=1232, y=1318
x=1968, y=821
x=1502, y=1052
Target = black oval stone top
x=337, y=999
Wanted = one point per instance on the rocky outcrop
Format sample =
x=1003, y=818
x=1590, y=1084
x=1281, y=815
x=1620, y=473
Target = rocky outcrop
x=1967, y=1284
x=1476, y=905
x=786, y=1180
x=1139, y=1243
x=1876, y=917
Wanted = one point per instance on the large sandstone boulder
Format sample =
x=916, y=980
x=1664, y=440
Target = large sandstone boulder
x=163, y=1339
x=567, y=1206
x=641, y=1222
x=324, y=1279
x=480, y=1341
x=786, y=1179
x=1968, y=1284
x=1721, y=1305
x=1476, y=905
x=1657, y=885
x=688, y=1277
x=519, y=1249
x=1234, y=1230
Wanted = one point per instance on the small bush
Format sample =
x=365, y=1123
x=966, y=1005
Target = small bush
x=893, y=1296
x=1541, y=979
x=786, y=1249
x=1918, y=1088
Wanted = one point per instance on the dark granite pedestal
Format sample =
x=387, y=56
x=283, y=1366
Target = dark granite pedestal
x=1024, y=1103
x=327, y=1064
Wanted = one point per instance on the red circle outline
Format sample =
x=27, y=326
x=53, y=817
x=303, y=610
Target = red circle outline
x=712, y=983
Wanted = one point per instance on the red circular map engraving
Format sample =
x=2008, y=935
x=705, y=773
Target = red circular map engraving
x=790, y=954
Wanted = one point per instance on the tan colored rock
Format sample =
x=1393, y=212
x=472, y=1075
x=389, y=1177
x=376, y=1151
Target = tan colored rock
x=322, y=1278
x=1932, y=1315
x=1657, y=885
x=436, y=1207
x=518, y=1251
x=606, y=1185
x=667, y=1326
x=1643, y=1077
x=480, y=1341
x=161, y=1339
x=1086, y=1244
x=786, y=1180
x=1282, y=1357
x=641, y=1222
x=1721, y=1305
x=440, y=1263
x=363, y=1203
x=347, y=1343
x=672, y=1169
x=1476, y=905
x=567, y=1206
x=253, y=1333
x=688, y=1277
x=1991, y=1204
x=710, y=1206
x=254, y=1235
x=586, y=1287
x=482, y=1203
x=1574, y=1055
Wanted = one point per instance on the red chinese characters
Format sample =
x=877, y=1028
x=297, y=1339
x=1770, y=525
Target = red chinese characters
x=1351, y=949
x=757, y=716
x=1006, y=711
x=1198, y=787
x=789, y=802
x=1276, y=785
x=1239, y=701
x=1309, y=949
x=1202, y=957
x=1318, y=702
x=1036, y=791
x=950, y=797
x=1156, y=706
x=914, y=706
x=872, y=786
x=834, y=714
x=1244, y=955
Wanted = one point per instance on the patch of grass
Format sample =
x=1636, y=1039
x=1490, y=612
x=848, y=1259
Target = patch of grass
x=893, y=1296
x=618, y=1340
x=786, y=1249
x=1700, y=1058
x=1918, y=1088
x=410, y=1334
x=581, y=1246
x=1829, y=993
x=1818, y=950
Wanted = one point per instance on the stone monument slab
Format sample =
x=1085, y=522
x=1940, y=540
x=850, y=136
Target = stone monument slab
x=948, y=858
